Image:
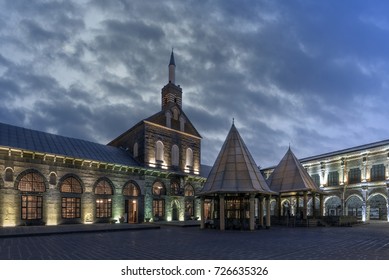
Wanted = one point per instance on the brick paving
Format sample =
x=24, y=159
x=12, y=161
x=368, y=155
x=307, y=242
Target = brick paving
x=369, y=241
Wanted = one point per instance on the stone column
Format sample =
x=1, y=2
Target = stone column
x=202, y=225
x=314, y=205
x=387, y=206
x=222, y=215
x=305, y=205
x=260, y=216
x=268, y=212
x=364, y=205
x=321, y=213
x=252, y=211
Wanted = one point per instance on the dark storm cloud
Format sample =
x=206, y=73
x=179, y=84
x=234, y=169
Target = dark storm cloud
x=290, y=72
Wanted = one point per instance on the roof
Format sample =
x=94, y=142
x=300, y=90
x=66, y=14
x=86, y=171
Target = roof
x=43, y=142
x=291, y=176
x=360, y=148
x=234, y=170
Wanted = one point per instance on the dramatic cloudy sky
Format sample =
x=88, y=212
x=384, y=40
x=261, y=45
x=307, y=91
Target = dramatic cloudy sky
x=312, y=74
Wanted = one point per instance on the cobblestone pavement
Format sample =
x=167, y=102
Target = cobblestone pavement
x=369, y=241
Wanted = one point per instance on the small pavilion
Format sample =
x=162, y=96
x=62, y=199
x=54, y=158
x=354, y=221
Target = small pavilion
x=293, y=183
x=233, y=195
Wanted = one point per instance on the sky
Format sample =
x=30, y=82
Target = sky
x=312, y=75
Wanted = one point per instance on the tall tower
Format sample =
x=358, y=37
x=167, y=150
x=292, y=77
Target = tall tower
x=171, y=93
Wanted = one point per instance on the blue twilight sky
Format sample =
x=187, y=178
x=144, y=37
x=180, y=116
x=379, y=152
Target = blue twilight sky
x=312, y=74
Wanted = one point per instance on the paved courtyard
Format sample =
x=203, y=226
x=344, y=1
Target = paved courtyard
x=370, y=241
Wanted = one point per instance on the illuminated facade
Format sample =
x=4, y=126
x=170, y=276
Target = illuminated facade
x=354, y=181
x=151, y=172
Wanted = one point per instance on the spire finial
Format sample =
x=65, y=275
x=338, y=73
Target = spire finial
x=233, y=121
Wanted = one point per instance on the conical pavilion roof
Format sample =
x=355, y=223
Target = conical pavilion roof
x=234, y=170
x=291, y=176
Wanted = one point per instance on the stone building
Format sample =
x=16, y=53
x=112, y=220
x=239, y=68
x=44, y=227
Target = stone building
x=150, y=172
x=153, y=172
x=354, y=181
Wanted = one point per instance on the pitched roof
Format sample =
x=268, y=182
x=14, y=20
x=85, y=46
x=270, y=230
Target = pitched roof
x=234, y=170
x=37, y=141
x=291, y=176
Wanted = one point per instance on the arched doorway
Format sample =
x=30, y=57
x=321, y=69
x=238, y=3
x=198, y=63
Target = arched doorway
x=354, y=206
x=175, y=210
x=131, y=193
x=333, y=206
x=377, y=207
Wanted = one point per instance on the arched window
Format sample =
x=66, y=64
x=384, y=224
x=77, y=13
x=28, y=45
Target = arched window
x=175, y=188
x=175, y=113
x=104, y=191
x=159, y=189
x=189, y=202
x=131, y=189
x=168, y=119
x=32, y=204
x=103, y=187
x=71, y=185
x=71, y=199
x=53, y=178
x=158, y=202
x=182, y=123
x=159, y=152
x=9, y=175
x=189, y=157
x=135, y=150
x=32, y=182
x=175, y=155
x=189, y=190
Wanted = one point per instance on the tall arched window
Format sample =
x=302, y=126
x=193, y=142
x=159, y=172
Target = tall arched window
x=135, y=150
x=168, y=119
x=182, y=123
x=9, y=175
x=31, y=185
x=159, y=152
x=189, y=157
x=175, y=155
x=104, y=192
x=189, y=202
x=158, y=201
x=71, y=189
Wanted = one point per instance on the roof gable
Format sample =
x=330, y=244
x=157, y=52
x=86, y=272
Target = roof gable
x=160, y=119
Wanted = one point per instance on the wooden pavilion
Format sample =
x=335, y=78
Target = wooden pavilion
x=235, y=191
x=295, y=187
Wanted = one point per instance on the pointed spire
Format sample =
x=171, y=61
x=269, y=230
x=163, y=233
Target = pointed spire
x=172, y=58
x=172, y=69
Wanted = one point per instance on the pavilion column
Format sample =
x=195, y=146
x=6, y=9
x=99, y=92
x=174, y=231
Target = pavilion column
x=321, y=213
x=314, y=205
x=279, y=212
x=222, y=214
x=202, y=225
x=268, y=212
x=305, y=205
x=260, y=216
x=298, y=206
x=252, y=211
